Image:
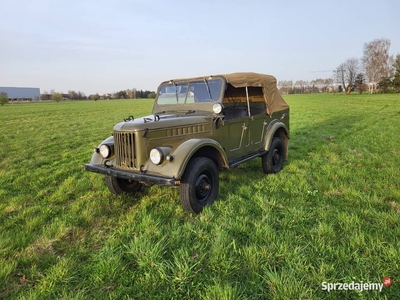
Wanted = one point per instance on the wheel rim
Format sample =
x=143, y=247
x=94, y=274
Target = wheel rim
x=276, y=158
x=203, y=187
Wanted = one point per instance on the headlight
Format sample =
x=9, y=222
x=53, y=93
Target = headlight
x=156, y=156
x=217, y=108
x=105, y=151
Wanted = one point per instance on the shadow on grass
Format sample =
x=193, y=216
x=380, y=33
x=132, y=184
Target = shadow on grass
x=304, y=140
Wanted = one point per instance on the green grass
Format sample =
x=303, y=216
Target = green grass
x=332, y=214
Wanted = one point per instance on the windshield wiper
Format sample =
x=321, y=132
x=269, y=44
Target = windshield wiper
x=208, y=89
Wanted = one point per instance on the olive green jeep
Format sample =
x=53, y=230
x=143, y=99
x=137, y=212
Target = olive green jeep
x=198, y=126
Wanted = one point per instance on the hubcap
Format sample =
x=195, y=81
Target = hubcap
x=276, y=156
x=129, y=183
x=203, y=187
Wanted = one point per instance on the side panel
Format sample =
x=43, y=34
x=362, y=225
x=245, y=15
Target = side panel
x=238, y=136
x=258, y=126
x=233, y=135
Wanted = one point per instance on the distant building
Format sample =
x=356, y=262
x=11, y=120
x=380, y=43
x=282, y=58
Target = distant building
x=23, y=93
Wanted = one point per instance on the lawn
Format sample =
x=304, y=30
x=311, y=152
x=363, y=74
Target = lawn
x=331, y=215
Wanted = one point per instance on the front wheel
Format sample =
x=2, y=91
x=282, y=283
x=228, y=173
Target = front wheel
x=272, y=161
x=119, y=186
x=199, y=185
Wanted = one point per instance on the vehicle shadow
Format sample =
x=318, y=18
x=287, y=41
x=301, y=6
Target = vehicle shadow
x=305, y=139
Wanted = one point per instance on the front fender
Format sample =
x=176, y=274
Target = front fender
x=272, y=128
x=97, y=159
x=187, y=149
x=181, y=156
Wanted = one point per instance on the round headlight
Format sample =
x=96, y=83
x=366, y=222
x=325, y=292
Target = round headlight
x=217, y=108
x=105, y=151
x=156, y=156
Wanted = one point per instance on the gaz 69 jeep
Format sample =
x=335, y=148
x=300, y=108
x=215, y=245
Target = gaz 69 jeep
x=198, y=126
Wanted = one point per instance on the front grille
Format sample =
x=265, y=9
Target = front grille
x=124, y=145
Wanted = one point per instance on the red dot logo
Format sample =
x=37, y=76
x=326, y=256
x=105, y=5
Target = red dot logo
x=387, y=281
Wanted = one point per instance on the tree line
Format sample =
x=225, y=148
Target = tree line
x=376, y=71
x=73, y=95
x=319, y=85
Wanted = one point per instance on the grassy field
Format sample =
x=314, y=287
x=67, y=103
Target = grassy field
x=331, y=215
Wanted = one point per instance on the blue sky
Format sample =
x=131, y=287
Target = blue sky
x=105, y=46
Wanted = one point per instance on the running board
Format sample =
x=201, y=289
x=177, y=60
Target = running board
x=237, y=162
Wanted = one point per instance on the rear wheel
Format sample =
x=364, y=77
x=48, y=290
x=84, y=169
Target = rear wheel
x=272, y=162
x=199, y=185
x=119, y=186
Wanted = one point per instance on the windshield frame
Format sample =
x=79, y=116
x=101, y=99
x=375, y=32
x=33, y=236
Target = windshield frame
x=185, y=105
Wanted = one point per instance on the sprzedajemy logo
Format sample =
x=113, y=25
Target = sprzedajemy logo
x=359, y=286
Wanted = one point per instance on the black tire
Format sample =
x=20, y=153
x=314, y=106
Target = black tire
x=119, y=186
x=199, y=184
x=272, y=162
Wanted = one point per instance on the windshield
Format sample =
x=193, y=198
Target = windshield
x=190, y=92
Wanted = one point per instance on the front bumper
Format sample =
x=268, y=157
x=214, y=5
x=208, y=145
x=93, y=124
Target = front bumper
x=151, y=179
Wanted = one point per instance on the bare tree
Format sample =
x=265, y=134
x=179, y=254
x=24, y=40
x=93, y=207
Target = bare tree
x=134, y=93
x=396, y=77
x=285, y=86
x=73, y=95
x=346, y=74
x=328, y=85
x=81, y=95
x=129, y=93
x=301, y=86
x=352, y=67
x=340, y=75
x=318, y=85
x=377, y=62
x=45, y=96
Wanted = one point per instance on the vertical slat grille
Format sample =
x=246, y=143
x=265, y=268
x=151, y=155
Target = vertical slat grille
x=124, y=143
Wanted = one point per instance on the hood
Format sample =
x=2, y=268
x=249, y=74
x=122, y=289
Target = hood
x=164, y=121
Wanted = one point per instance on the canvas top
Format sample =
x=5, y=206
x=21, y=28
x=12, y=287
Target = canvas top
x=272, y=97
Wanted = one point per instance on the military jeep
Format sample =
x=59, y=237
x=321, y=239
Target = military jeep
x=198, y=126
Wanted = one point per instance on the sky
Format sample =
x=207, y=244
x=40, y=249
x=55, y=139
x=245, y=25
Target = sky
x=103, y=46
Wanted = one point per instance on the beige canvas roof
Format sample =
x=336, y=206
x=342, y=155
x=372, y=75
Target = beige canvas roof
x=273, y=98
